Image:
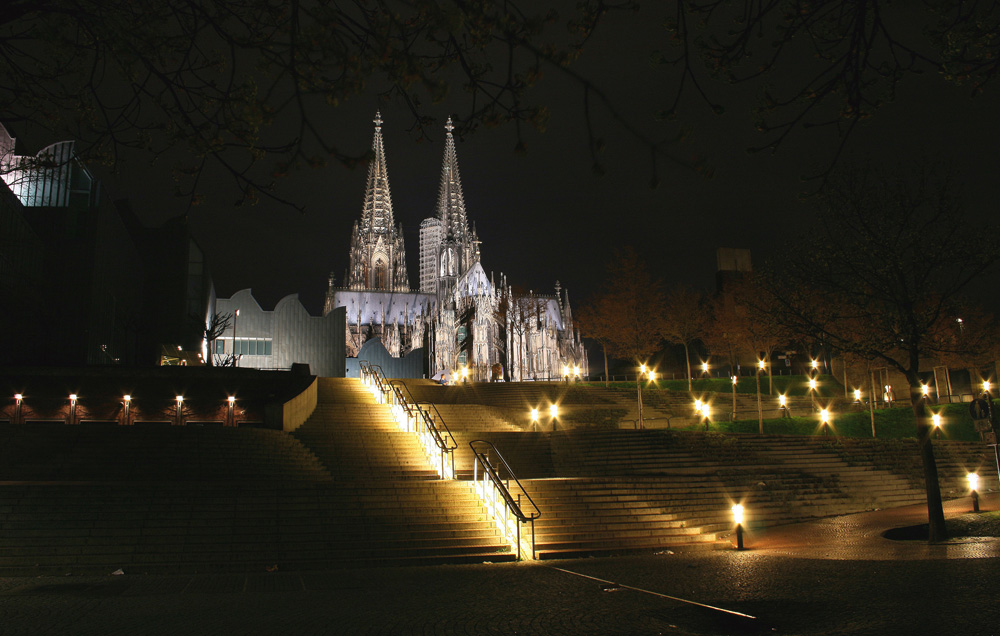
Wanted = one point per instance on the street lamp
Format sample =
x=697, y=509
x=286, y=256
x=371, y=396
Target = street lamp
x=18, y=399
x=638, y=387
x=824, y=416
x=231, y=410
x=72, y=408
x=738, y=520
x=236, y=357
x=987, y=385
x=761, y=365
x=126, y=410
x=783, y=405
x=534, y=418
x=974, y=487
x=704, y=368
x=857, y=395
x=706, y=413
x=733, y=418
x=180, y=410
x=936, y=421
x=812, y=391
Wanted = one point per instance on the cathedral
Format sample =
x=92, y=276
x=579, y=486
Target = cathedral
x=458, y=317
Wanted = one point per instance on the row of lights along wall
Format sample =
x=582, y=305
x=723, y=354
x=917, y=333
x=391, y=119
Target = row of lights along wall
x=126, y=413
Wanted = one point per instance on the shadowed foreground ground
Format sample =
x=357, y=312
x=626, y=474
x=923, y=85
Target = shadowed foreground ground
x=833, y=576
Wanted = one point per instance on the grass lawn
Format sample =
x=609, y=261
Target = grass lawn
x=897, y=422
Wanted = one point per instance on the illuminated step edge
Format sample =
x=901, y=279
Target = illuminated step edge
x=435, y=456
x=505, y=522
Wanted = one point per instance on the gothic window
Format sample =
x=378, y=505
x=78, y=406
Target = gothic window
x=381, y=275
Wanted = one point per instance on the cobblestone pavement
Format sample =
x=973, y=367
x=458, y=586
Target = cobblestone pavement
x=835, y=576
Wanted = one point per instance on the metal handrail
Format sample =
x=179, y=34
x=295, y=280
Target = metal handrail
x=502, y=486
x=438, y=431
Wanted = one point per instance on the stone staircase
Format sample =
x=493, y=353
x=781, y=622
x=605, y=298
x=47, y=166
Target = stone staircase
x=146, y=498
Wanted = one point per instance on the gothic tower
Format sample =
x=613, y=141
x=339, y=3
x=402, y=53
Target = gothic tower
x=378, y=260
x=457, y=247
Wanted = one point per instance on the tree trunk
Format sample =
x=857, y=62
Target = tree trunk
x=687, y=361
x=937, y=530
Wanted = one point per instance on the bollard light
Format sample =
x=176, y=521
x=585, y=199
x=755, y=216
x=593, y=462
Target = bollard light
x=974, y=487
x=857, y=395
x=812, y=384
x=534, y=415
x=738, y=520
x=987, y=385
x=553, y=411
x=782, y=401
x=652, y=376
x=697, y=405
x=704, y=367
x=925, y=390
x=706, y=410
x=814, y=364
x=761, y=364
x=565, y=371
x=824, y=416
x=576, y=370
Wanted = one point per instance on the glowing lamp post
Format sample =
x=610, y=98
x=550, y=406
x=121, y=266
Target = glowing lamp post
x=638, y=386
x=180, y=410
x=783, y=405
x=566, y=373
x=738, y=520
x=554, y=414
x=974, y=487
x=735, y=379
x=236, y=357
x=18, y=399
x=824, y=416
x=576, y=371
x=812, y=391
x=231, y=410
x=72, y=408
x=126, y=410
x=704, y=368
x=936, y=421
x=534, y=418
x=987, y=385
x=761, y=365
x=465, y=374
x=857, y=395
x=706, y=413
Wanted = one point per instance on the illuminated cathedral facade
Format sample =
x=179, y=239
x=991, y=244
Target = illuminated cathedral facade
x=458, y=316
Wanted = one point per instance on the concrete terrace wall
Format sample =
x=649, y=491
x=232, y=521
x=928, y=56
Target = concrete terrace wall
x=297, y=410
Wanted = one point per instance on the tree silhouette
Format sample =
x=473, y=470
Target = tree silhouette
x=886, y=281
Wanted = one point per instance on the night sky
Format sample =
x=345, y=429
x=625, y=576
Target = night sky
x=545, y=215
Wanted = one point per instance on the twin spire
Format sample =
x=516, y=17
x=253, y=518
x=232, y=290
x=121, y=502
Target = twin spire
x=451, y=202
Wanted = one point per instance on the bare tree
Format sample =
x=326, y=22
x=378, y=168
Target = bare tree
x=216, y=326
x=685, y=320
x=247, y=86
x=895, y=255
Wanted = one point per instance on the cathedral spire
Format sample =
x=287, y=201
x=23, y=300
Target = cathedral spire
x=378, y=259
x=376, y=216
x=451, y=202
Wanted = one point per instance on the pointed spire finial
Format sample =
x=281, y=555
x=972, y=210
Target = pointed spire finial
x=448, y=126
x=378, y=120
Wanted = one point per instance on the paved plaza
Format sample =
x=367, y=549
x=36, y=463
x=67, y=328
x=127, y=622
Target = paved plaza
x=832, y=576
